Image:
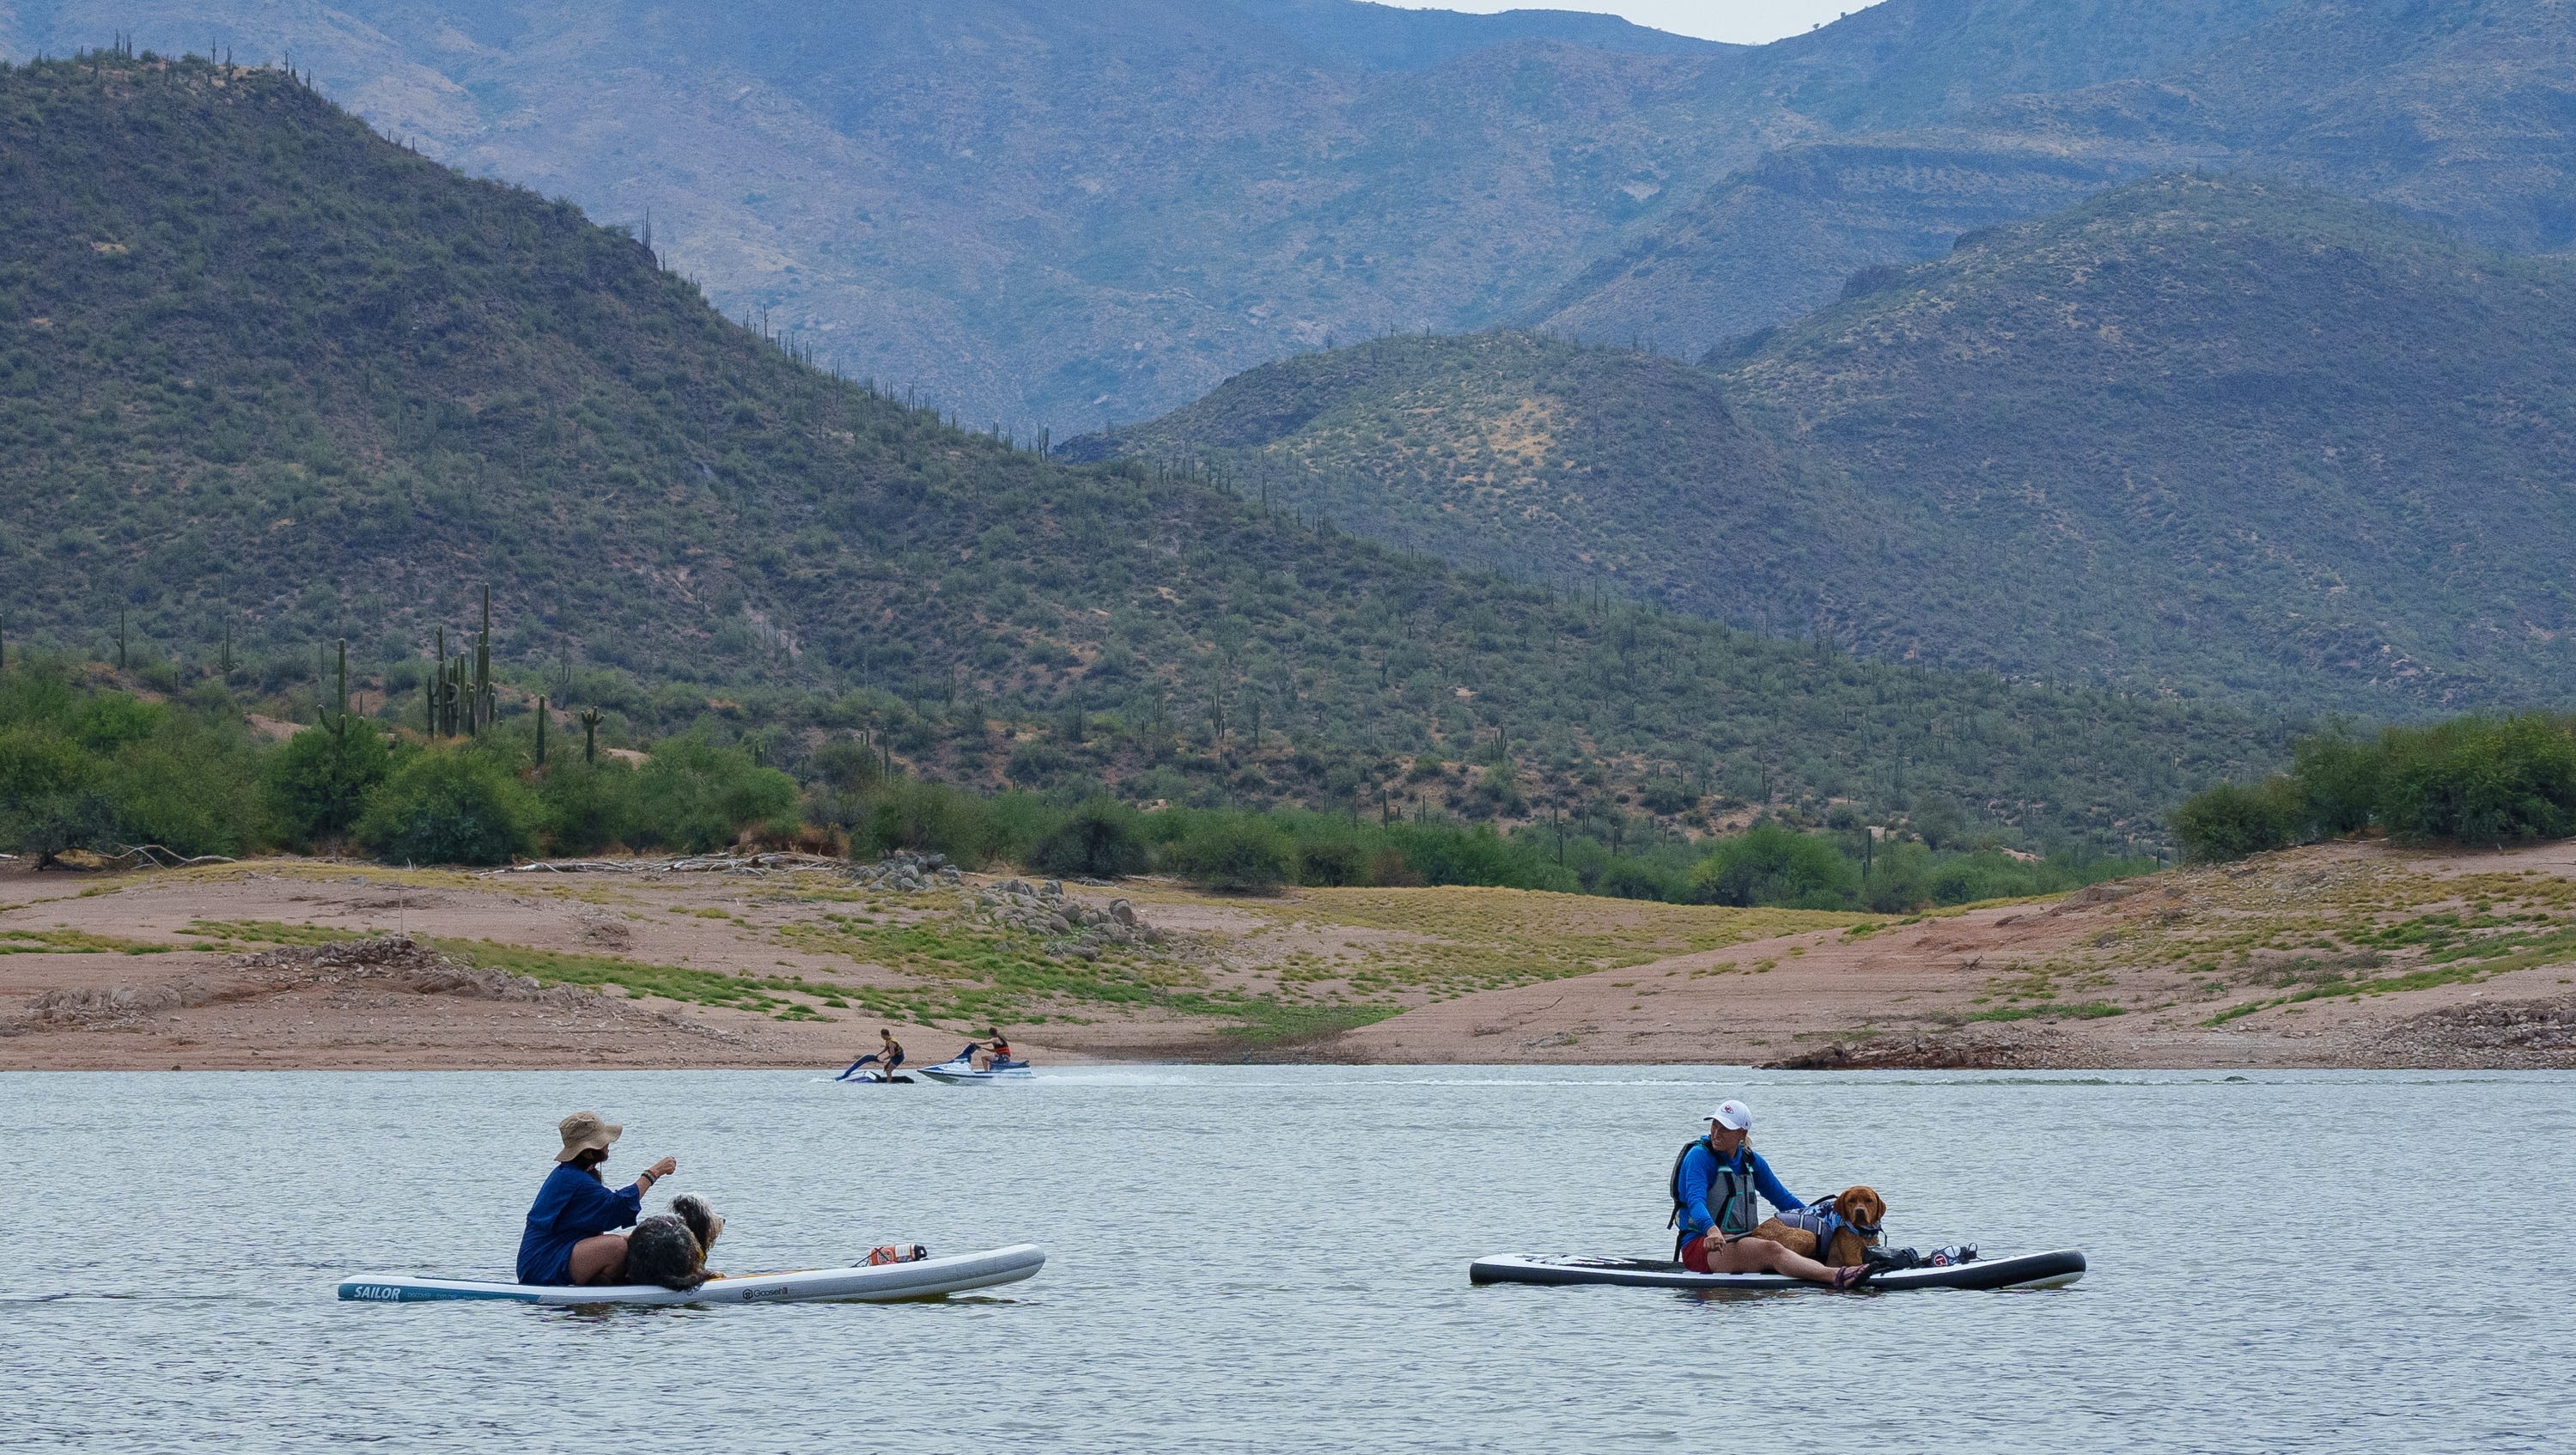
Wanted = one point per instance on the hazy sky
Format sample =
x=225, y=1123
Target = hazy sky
x=1749, y=21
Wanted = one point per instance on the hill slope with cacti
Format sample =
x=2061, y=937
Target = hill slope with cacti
x=2210, y=436
x=268, y=379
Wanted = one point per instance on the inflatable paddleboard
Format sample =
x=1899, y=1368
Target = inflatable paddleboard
x=2030, y=1270
x=886, y=1283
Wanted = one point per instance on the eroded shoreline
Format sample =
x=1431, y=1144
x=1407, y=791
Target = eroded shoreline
x=2346, y=955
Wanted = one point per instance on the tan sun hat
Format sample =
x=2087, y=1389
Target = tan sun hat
x=584, y=1130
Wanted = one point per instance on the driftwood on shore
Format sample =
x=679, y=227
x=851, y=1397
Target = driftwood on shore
x=769, y=863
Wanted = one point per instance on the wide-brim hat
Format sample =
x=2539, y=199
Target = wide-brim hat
x=585, y=1130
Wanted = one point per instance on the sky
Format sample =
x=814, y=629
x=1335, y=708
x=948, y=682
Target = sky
x=1748, y=22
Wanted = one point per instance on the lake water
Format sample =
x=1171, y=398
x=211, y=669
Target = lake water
x=1268, y=1258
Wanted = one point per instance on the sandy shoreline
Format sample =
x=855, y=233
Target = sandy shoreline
x=2202, y=969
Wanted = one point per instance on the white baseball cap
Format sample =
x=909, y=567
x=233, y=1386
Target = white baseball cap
x=1735, y=1116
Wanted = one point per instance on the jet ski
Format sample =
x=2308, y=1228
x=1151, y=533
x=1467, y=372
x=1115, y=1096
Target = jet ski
x=960, y=1070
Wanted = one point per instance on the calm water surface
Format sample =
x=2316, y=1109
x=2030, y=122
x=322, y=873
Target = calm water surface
x=1275, y=1259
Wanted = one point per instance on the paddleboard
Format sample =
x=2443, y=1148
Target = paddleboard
x=885, y=1283
x=2029, y=1270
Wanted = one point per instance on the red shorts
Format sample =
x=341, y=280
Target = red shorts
x=1695, y=1255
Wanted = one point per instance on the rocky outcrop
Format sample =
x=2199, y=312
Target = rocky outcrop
x=1072, y=927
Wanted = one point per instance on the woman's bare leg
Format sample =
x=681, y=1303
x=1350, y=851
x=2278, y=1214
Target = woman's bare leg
x=599, y=1260
x=1761, y=1255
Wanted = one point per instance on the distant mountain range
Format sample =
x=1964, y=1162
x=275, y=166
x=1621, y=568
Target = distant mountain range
x=2204, y=435
x=1044, y=212
x=267, y=380
x=2462, y=113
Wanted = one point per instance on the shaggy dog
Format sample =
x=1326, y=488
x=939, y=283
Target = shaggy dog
x=671, y=1248
x=1861, y=1211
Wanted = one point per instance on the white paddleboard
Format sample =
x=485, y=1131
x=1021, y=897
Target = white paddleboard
x=885, y=1283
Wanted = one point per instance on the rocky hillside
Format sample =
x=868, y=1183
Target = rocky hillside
x=2199, y=435
x=267, y=379
x=2455, y=113
x=1053, y=214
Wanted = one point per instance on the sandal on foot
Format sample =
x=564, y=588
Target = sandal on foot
x=1847, y=1279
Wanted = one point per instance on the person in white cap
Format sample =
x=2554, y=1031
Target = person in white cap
x=1716, y=1181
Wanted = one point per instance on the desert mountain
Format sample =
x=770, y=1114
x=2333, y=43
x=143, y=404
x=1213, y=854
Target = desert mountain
x=2199, y=434
x=268, y=379
x=2456, y=113
x=1048, y=212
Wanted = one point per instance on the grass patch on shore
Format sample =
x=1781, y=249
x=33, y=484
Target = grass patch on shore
x=76, y=942
x=765, y=994
x=2089, y=1010
x=234, y=934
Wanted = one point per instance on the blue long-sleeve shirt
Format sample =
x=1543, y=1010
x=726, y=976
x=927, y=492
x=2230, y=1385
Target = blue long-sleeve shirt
x=572, y=1205
x=1700, y=1167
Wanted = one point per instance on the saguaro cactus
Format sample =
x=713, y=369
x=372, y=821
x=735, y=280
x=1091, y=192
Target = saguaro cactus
x=541, y=730
x=590, y=734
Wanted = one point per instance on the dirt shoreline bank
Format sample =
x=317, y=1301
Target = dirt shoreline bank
x=2342, y=956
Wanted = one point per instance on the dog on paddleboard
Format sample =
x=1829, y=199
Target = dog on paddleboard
x=1841, y=1241
x=671, y=1248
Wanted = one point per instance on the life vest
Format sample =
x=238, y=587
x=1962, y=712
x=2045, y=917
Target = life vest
x=1819, y=1219
x=1734, y=1206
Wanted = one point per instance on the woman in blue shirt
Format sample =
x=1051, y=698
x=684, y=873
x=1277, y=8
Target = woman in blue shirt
x=568, y=1240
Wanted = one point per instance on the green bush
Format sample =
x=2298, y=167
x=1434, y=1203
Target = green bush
x=1771, y=864
x=1231, y=854
x=583, y=808
x=51, y=798
x=448, y=806
x=1101, y=838
x=2480, y=779
x=192, y=788
x=696, y=796
x=2230, y=821
x=317, y=782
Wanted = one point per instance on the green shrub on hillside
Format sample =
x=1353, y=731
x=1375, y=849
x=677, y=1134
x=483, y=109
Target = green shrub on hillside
x=1101, y=838
x=2478, y=780
x=1232, y=854
x=695, y=796
x=585, y=807
x=1771, y=864
x=2230, y=821
x=447, y=805
x=317, y=781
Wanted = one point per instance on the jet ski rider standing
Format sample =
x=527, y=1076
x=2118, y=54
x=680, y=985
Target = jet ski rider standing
x=1715, y=1183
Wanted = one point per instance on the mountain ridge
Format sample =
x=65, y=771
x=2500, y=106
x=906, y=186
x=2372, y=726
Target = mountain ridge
x=2106, y=444
x=1054, y=215
x=268, y=380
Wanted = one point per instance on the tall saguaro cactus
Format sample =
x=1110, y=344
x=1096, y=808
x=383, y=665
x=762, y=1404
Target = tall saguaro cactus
x=541, y=730
x=590, y=734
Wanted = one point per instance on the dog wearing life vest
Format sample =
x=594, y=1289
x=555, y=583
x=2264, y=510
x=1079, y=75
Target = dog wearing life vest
x=1840, y=1238
x=671, y=1248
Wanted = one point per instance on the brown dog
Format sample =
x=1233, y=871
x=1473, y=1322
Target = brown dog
x=1861, y=1209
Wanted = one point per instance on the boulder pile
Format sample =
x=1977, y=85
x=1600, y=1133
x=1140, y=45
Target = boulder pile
x=1072, y=927
x=908, y=873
